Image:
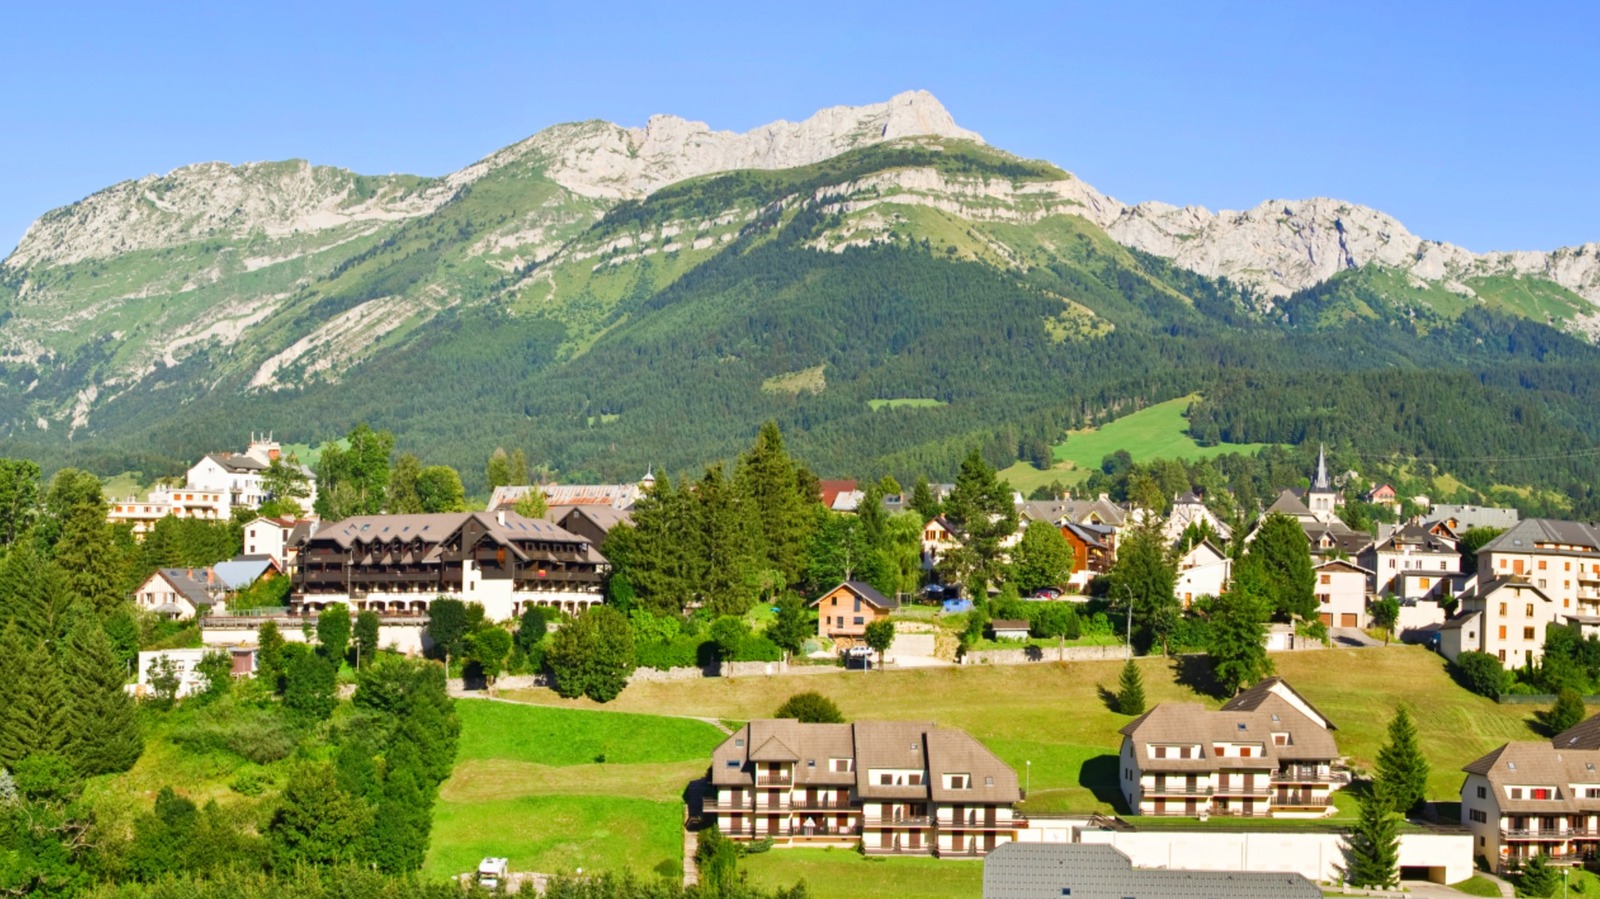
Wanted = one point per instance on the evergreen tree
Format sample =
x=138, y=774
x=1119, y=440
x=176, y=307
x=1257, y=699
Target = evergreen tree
x=309, y=684
x=981, y=510
x=1537, y=878
x=1130, y=690
x=316, y=822
x=1375, y=843
x=1043, y=558
x=84, y=549
x=399, y=837
x=34, y=593
x=366, y=636
x=727, y=545
x=35, y=715
x=923, y=501
x=1284, y=556
x=1237, y=638
x=19, y=498
x=105, y=735
x=519, y=467
x=404, y=495
x=1402, y=771
x=656, y=553
x=1567, y=711
x=269, y=654
x=333, y=633
x=1145, y=576
x=498, y=471
x=766, y=477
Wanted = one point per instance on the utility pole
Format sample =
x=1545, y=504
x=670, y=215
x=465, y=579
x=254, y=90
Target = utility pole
x=1127, y=593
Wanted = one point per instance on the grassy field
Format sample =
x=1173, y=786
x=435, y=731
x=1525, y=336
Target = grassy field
x=842, y=872
x=906, y=403
x=1055, y=716
x=1155, y=432
x=560, y=789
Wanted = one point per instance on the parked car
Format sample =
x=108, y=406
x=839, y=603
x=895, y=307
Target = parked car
x=1047, y=593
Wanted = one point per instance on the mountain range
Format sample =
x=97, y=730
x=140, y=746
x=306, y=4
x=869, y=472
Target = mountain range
x=878, y=279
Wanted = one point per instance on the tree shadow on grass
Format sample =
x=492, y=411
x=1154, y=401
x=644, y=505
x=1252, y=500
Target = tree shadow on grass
x=1101, y=776
x=1108, y=697
x=1194, y=671
x=1539, y=723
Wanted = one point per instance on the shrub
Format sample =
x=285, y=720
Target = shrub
x=1481, y=673
x=682, y=652
x=758, y=648
x=810, y=707
x=250, y=782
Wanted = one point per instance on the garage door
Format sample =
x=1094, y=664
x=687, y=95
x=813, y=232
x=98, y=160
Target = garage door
x=1327, y=619
x=1347, y=619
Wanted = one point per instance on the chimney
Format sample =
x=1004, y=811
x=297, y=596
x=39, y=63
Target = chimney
x=274, y=453
x=500, y=516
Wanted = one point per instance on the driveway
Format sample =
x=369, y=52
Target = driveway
x=1347, y=637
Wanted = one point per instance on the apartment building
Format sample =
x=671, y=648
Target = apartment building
x=1505, y=617
x=899, y=788
x=1412, y=548
x=1533, y=798
x=397, y=564
x=1268, y=752
x=1342, y=594
x=1561, y=558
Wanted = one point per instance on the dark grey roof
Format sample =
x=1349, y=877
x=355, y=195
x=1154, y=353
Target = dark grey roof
x=1419, y=536
x=1469, y=517
x=868, y=593
x=1459, y=620
x=1254, y=698
x=191, y=582
x=237, y=462
x=1526, y=535
x=1100, y=871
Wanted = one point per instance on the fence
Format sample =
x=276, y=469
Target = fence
x=1537, y=699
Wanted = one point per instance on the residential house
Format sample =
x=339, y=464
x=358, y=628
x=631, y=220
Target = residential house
x=1561, y=558
x=241, y=572
x=164, y=501
x=938, y=538
x=1267, y=752
x=894, y=788
x=1411, y=587
x=185, y=664
x=1341, y=589
x=1094, y=551
x=1329, y=538
x=239, y=476
x=844, y=612
x=1533, y=798
x=839, y=496
x=181, y=593
x=276, y=538
x=1100, y=871
x=398, y=564
x=1382, y=495
x=1505, y=617
x=1188, y=509
x=1202, y=571
x=1412, y=547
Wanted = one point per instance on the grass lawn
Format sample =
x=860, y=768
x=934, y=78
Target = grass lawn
x=555, y=834
x=1155, y=432
x=527, y=785
x=1053, y=714
x=842, y=872
x=1477, y=885
x=499, y=730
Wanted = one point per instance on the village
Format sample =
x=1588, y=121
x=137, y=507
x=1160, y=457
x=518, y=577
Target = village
x=1475, y=585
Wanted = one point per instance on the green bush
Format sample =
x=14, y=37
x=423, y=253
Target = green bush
x=758, y=648
x=255, y=735
x=1481, y=673
x=682, y=652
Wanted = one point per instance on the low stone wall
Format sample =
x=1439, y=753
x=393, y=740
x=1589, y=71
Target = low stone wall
x=727, y=669
x=1025, y=654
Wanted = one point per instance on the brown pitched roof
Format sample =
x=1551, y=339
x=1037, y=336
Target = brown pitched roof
x=868, y=593
x=1583, y=735
x=1256, y=697
x=1538, y=764
x=1180, y=723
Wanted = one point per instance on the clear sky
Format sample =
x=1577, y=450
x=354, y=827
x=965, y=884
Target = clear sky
x=1476, y=123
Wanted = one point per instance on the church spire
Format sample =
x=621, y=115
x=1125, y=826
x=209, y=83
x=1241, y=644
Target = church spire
x=1322, y=482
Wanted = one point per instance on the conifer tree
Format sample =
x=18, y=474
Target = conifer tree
x=655, y=552
x=980, y=508
x=1375, y=843
x=1145, y=576
x=399, y=837
x=105, y=734
x=923, y=501
x=366, y=636
x=1282, y=551
x=316, y=822
x=83, y=548
x=34, y=593
x=727, y=545
x=1130, y=690
x=1402, y=770
x=35, y=719
x=269, y=654
x=1537, y=878
x=767, y=478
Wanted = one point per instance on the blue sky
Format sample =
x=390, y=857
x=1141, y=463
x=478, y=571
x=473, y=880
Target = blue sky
x=1473, y=123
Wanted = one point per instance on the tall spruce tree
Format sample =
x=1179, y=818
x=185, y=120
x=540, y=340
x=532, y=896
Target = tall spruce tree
x=1145, y=576
x=980, y=508
x=923, y=501
x=1284, y=554
x=768, y=478
x=1130, y=690
x=105, y=734
x=94, y=566
x=1375, y=843
x=399, y=836
x=727, y=547
x=656, y=552
x=19, y=498
x=36, y=719
x=34, y=593
x=1402, y=768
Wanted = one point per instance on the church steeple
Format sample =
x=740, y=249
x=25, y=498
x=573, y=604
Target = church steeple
x=1322, y=483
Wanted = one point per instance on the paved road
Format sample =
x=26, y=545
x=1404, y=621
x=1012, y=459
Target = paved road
x=1347, y=637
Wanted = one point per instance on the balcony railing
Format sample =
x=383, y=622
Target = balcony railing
x=1310, y=776
x=1242, y=790
x=774, y=780
x=1545, y=833
x=840, y=805
x=905, y=850
x=898, y=821
x=1177, y=790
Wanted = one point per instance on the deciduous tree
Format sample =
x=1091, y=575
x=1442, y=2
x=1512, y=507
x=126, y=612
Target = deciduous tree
x=810, y=707
x=880, y=636
x=593, y=655
x=1144, y=576
x=1284, y=556
x=1238, y=631
x=1043, y=558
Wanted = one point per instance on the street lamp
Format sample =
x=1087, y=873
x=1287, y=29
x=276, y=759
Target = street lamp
x=1127, y=593
x=1028, y=779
